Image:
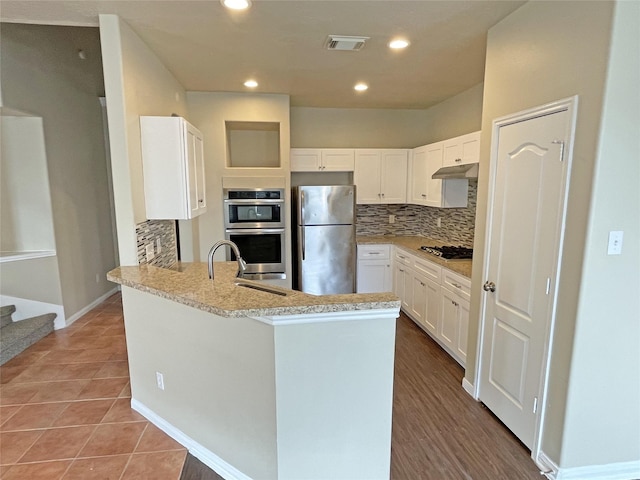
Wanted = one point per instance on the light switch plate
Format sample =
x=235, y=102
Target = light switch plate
x=149, y=252
x=615, y=242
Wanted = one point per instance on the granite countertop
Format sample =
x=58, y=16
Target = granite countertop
x=412, y=245
x=189, y=284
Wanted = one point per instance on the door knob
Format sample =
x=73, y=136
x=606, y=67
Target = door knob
x=489, y=286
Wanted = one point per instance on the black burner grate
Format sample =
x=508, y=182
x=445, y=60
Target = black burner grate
x=449, y=252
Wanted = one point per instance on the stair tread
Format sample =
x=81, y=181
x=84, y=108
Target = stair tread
x=18, y=336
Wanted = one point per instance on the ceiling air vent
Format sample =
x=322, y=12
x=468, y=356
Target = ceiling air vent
x=343, y=42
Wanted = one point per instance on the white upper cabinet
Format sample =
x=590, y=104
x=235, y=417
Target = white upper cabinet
x=322, y=159
x=173, y=168
x=424, y=190
x=462, y=150
x=380, y=175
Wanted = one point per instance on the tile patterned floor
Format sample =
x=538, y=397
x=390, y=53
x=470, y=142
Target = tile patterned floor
x=65, y=409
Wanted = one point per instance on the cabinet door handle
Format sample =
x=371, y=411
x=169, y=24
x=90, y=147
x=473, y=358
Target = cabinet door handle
x=458, y=160
x=424, y=195
x=456, y=285
x=401, y=270
x=422, y=284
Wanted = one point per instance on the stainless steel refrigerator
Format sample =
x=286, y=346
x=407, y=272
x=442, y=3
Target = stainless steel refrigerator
x=325, y=241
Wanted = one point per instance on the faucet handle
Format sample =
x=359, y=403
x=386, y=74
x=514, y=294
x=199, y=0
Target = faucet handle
x=242, y=267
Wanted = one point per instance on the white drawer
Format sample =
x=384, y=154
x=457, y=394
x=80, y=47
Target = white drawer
x=456, y=283
x=429, y=269
x=374, y=252
x=403, y=257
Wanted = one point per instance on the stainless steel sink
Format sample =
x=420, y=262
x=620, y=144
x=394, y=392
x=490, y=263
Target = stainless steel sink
x=263, y=288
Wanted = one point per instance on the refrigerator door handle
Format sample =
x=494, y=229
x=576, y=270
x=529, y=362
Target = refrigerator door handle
x=302, y=241
x=301, y=210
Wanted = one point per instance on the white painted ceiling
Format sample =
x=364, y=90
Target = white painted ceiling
x=281, y=44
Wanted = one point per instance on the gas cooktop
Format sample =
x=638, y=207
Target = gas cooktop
x=447, y=252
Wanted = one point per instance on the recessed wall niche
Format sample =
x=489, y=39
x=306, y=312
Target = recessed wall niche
x=253, y=144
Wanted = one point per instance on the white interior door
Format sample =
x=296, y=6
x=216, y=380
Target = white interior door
x=526, y=211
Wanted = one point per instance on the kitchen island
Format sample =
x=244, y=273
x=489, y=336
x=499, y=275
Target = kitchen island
x=262, y=385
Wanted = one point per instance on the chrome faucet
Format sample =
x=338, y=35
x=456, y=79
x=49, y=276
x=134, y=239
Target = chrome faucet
x=242, y=265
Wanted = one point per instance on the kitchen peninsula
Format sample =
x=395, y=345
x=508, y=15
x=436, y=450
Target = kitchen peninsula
x=257, y=384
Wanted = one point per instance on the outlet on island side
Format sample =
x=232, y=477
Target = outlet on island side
x=160, y=380
x=158, y=246
x=392, y=219
x=439, y=222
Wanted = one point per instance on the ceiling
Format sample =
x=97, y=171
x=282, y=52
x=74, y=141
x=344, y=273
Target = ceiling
x=281, y=45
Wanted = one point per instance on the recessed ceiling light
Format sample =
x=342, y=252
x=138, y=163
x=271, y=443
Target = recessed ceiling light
x=398, y=44
x=361, y=87
x=236, y=4
x=251, y=84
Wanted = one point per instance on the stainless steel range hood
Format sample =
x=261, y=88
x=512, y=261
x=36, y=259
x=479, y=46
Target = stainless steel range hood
x=470, y=170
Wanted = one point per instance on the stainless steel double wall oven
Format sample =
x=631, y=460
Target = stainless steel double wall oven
x=255, y=221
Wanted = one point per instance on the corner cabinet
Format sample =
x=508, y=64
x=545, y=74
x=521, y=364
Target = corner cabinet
x=322, y=159
x=380, y=176
x=173, y=168
x=427, y=159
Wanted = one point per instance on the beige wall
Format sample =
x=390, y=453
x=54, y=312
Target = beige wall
x=209, y=112
x=136, y=83
x=543, y=52
x=386, y=128
x=42, y=75
x=602, y=421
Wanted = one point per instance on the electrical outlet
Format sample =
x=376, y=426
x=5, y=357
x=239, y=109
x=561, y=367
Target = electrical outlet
x=615, y=243
x=439, y=222
x=158, y=246
x=392, y=219
x=149, y=252
x=160, y=380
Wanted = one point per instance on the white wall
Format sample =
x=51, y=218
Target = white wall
x=602, y=423
x=42, y=75
x=136, y=83
x=386, y=128
x=26, y=215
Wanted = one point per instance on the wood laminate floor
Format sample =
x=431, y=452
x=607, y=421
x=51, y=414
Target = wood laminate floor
x=439, y=431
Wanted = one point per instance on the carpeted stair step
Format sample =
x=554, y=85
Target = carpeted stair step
x=5, y=315
x=18, y=336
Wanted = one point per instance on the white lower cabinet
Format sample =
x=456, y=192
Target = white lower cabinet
x=374, y=269
x=436, y=298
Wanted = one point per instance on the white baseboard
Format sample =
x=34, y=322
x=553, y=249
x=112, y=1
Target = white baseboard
x=210, y=459
x=26, y=308
x=611, y=471
x=89, y=307
x=469, y=388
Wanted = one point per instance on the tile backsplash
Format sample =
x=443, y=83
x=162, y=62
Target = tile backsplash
x=148, y=233
x=457, y=224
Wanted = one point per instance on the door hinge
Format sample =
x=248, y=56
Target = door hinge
x=548, y=285
x=561, y=143
x=535, y=404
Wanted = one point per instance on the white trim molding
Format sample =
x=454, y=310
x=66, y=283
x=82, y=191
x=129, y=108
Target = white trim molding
x=610, y=471
x=206, y=456
x=89, y=307
x=343, y=316
x=469, y=388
